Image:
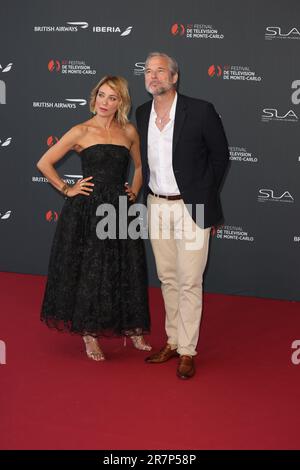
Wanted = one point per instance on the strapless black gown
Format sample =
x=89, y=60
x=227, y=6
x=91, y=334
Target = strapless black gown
x=96, y=286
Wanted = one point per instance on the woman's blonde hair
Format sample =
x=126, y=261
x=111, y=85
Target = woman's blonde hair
x=120, y=86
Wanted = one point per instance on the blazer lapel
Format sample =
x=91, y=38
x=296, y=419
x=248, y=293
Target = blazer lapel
x=143, y=128
x=180, y=116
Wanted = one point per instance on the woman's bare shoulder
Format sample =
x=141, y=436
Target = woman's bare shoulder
x=131, y=131
x=81, y=128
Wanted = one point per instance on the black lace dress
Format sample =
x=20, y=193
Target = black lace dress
x=96, y=286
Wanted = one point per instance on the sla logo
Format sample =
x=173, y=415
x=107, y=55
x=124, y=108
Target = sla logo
x=139, y=68
x=268, y=195
x=54, y=65
x=276, y=32
x=5, y=216
x=272, y=114
x=177, y=29
x=215, y=71
x=52, y=140
x=296, y=94
x=6, y=142
x=296, y=354
x=51, y=216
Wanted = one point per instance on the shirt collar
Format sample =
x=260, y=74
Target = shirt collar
x=172, y=110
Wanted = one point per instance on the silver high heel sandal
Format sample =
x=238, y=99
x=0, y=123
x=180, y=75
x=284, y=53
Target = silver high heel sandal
x=140, y=343
x=93, y=349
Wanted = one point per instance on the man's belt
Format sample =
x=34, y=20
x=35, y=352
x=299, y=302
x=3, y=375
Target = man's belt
x=170, y=198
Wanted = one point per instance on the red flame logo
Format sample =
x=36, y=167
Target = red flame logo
x=177, y=29
x=51, y=216
x=52, y=139
x=215, y=71
x=214, y=229
x=54, y=65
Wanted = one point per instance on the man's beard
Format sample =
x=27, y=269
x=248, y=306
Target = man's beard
x=160, y=90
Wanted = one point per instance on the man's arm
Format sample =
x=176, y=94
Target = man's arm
x=216, y=142
x=137, y=117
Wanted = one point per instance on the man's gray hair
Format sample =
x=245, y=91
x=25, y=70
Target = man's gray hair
x=173, y=66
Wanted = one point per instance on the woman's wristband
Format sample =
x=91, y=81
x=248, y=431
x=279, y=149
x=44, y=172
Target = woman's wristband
x=65, y=189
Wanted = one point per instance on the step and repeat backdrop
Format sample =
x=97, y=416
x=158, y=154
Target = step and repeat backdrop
x=241, y=56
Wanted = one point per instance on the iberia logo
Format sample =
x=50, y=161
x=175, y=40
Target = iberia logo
x=54, y=65
x=215, y=71
x=52, y=139
x=51, y=216
x=178, y=29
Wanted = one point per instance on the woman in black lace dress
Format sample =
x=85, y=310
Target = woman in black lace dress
x=97, y=283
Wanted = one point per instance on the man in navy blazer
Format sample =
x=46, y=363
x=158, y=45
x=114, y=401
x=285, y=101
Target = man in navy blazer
x=184, y=156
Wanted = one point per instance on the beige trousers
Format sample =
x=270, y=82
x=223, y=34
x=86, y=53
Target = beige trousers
x=180, y=249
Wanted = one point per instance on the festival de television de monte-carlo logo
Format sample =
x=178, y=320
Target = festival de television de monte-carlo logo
x=70, y=67
x=233, y=72
x=196, y=31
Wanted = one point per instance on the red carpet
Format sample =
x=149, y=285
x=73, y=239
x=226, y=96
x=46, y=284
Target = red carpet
x=245, y=394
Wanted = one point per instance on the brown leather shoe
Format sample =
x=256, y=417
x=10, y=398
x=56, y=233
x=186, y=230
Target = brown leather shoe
x=186, y=367
x=163, y=355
